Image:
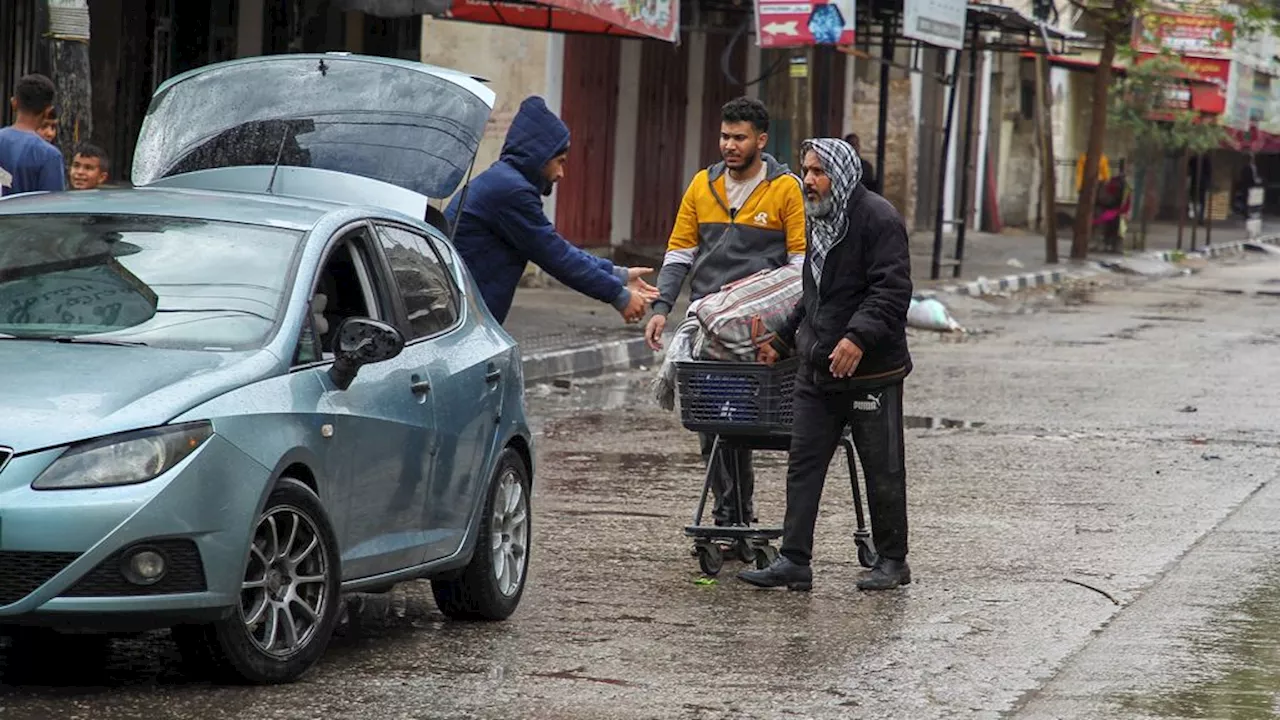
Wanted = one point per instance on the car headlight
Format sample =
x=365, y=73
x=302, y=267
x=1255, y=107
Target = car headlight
x=124, y=459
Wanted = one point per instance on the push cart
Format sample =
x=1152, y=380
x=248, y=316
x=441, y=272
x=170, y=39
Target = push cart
x=747, y=406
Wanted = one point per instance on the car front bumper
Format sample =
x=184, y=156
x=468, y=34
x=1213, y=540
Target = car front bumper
x=61, y=551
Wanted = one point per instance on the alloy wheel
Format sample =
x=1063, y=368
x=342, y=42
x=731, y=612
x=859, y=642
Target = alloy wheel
x=510, y=533
x=285, y=590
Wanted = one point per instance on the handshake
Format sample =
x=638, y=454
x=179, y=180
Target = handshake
x=642, y=294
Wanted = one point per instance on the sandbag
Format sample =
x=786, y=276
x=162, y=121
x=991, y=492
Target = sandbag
x=929, y=314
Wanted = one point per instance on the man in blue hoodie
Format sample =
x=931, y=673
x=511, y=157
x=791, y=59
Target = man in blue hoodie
x=502, y=226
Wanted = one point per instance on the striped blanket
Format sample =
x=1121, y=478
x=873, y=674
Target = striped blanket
x=730, y=325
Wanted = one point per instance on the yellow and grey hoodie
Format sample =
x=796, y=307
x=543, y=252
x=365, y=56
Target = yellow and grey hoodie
x=716, y=246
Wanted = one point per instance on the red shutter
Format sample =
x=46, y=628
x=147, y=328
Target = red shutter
x=584, y=199
x=659, y=160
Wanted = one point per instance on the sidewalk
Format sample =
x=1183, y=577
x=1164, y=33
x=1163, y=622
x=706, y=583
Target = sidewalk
x=563, y=334
x=1019, y=252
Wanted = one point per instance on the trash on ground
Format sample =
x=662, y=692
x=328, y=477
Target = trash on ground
x=929, y=314
x=705, y=581
x=1190, y=409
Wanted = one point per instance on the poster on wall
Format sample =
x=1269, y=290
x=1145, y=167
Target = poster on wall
x=1182, y=34
x=789, y=24
x=937, y=22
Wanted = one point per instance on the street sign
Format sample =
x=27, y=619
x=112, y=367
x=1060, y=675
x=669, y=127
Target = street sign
x=937, y=22
x=788, y=24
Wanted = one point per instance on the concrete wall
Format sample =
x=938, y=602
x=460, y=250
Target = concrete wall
x=514, y=61
x=899, y=177
x=1018, y=176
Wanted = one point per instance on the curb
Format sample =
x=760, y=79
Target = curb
x=586, y=361
x=1027, y=281
x=1213, y=251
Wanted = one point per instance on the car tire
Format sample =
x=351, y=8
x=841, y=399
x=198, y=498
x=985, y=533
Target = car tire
x=491, y=585
x=290, y=601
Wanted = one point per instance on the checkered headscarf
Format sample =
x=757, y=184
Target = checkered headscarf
x=843, y=166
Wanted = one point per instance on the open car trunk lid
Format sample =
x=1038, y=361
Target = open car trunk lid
x=404, y=123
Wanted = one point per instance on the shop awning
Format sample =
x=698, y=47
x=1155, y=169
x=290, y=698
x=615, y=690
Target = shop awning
x=1252, y=140
x=658, y=19
x=395, y=8
x=653, y=18
x=1082, y=63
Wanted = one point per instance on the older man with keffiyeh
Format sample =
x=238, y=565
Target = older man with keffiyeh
x=850, y=334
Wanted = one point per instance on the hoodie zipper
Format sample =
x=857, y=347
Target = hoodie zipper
x=733, y=219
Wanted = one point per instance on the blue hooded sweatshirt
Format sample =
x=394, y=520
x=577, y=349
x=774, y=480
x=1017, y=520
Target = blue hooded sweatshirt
x=503, y=226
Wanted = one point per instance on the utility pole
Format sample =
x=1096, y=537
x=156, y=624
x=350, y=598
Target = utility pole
x=1048, y=184
x=801, y=109
x=68, y=39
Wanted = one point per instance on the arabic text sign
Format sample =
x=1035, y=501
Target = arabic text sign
x=937, y=22
x=787, y=23
x=1182, y=34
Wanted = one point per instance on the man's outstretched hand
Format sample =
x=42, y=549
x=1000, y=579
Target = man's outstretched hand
x=637, y=285
x=653, y=331
x=635, y=309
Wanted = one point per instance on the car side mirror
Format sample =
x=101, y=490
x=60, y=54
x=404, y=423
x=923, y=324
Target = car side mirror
x=362, y=341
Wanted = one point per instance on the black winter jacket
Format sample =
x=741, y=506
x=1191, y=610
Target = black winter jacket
x=866, y=291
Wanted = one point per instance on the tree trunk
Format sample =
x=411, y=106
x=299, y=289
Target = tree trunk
x=1048, y=203
x=1097, y=136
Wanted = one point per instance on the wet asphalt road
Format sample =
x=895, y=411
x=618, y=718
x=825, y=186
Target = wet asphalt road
x=1126, y=440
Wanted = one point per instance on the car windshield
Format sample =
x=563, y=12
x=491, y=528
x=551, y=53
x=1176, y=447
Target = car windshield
x=159, y=281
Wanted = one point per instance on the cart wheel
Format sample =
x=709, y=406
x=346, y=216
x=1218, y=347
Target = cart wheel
x=765, y=555
x=710, y=559
x=866, y=556
x=746, y=553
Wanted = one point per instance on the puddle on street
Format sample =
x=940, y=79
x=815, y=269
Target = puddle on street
x=1243, y=681
x=923, y=422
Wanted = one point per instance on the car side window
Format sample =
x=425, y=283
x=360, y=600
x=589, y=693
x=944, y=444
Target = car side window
x=430, y=298
x=344, y=289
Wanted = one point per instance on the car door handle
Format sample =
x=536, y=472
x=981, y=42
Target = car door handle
x=492, y=375
x=420, y=387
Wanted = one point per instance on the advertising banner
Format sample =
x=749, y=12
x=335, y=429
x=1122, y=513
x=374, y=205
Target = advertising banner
x=1181, y=34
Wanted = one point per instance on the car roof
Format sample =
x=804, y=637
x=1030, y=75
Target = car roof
x=255, y=208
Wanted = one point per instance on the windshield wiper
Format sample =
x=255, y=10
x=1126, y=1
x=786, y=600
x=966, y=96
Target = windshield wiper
x=74, y=339
x=96, y=341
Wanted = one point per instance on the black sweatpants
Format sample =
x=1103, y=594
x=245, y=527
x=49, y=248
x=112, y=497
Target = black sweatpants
x=732, y=470
x=821, y=415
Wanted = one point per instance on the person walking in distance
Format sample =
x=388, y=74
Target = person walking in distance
x=742, y=215
x=849, y=331
x=27, y=162
x=501, y=226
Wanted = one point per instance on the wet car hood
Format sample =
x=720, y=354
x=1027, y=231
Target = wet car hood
x=54, y=393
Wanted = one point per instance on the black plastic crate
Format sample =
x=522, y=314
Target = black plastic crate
x=736, y=398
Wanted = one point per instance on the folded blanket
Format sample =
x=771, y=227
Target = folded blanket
x=682, y=347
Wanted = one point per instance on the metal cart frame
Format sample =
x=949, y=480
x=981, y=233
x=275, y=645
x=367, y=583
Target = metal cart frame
x=765, y=393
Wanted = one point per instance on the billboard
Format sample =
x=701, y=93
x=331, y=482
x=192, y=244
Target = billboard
x=1182, y=34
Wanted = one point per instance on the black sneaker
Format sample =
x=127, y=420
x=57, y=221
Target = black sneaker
x=886, y=575
x=781, y=572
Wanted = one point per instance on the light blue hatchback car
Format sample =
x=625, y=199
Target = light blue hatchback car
x=260, y=379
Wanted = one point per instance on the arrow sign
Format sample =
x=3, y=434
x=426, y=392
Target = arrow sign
x=786, y=28
x=806, y=23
